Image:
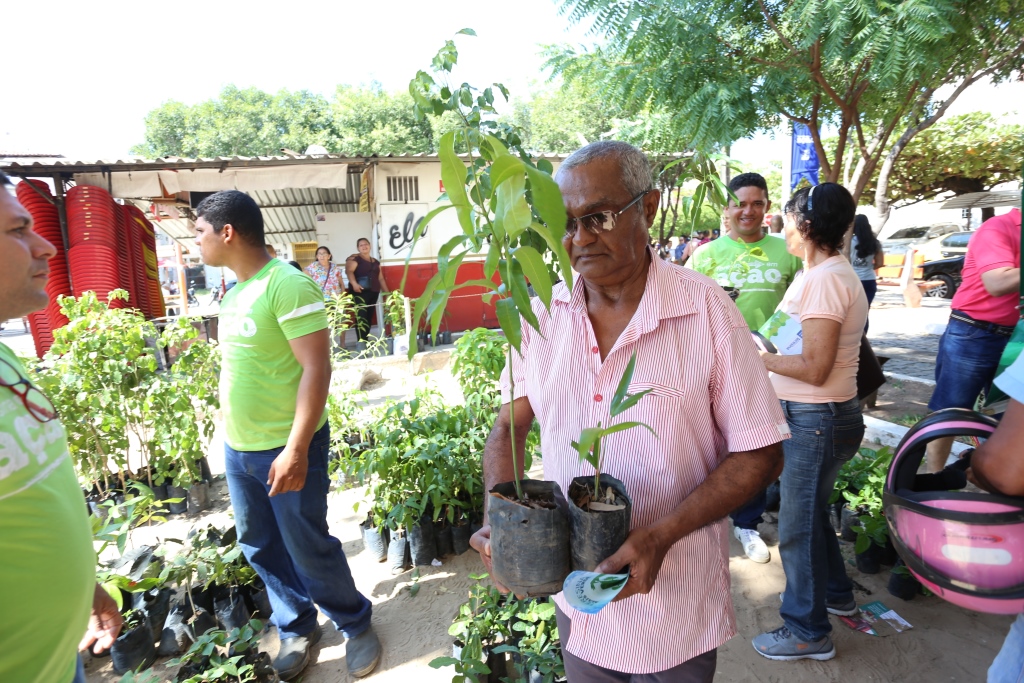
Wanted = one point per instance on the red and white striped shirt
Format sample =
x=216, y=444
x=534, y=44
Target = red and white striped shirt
x=710, y=396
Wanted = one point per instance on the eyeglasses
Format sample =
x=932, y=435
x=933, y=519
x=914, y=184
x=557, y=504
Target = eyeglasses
x=595, y=223
x=35, y=401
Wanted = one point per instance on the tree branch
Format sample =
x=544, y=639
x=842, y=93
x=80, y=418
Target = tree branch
x=775, y=27
x=816, y=136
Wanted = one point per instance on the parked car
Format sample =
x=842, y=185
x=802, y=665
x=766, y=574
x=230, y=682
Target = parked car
x=947, y=271
x=899, y=241
x=946, y=246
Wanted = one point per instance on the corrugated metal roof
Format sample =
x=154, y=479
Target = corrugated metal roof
x=288, y=215
x=984, y=200
x=48, y=166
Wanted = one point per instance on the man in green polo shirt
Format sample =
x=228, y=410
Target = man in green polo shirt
x=48, y=566
x=275, y=376
x=761, y=268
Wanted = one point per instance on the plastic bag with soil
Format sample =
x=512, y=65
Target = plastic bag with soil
x=422, y=545
x=230, y=608
x=156, y=604
x=375, y=540
x=597, y=528
x=398, y=552
x=529, y=539
x=461, y=534
x=258, y=600
x=183, y=624
x=443, y=539
x=133, y=649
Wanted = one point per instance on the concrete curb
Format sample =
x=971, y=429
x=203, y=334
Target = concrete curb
x=890, y=434
x=909, y=378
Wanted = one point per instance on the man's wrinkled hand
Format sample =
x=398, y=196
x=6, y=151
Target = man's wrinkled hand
x=104, y=623
x=288, y=471
x=481, y=542
x=644, y=553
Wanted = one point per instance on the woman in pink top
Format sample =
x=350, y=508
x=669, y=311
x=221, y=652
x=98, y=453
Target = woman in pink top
x=818, y=392
x=325, y=273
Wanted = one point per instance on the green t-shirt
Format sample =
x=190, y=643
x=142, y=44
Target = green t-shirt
x=47, y=562
x=259, y=379
x=762, y=271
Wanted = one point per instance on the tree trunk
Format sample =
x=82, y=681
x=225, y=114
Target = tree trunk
x=988, y=212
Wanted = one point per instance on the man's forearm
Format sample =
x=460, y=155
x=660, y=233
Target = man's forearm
x=309, y=406
x=1001, y=281
x=738, y=479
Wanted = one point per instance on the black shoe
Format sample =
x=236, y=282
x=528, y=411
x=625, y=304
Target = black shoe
x=293, y=657
x=362, y=653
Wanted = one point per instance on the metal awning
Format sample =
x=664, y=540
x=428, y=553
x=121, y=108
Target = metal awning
x=983, y=200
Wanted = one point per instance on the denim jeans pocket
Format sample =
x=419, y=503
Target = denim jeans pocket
x=847, y=435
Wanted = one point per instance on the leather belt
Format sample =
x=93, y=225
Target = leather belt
x=1002, y=330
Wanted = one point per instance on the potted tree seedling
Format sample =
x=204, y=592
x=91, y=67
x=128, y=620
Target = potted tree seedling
x=394, y=312
x=510, y=210
x=600, y=509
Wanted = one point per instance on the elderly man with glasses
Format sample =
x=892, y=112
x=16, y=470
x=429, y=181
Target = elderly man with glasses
x=717, y=420
x=47, y=577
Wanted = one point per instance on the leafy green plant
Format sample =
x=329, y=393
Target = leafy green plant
x=477, y=362
x=538, y=647
x=103, y=377
x=507, y=205
x=220, y=656
x=589, y=446
x=866, y=500
x=394, y=312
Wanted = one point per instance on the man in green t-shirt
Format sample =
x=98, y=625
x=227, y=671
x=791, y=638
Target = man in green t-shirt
x=48, y=571
x=761, y=268
x=275, y=376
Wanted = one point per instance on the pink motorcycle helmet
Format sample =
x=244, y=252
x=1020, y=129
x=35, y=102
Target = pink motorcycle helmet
x=967, y=548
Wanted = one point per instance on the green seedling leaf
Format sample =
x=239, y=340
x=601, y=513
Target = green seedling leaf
x=631, y=400
x=465, y=32
x=512, y=208
x=453, y=175
x=624, y=382
x=623, y=426
x=521, y=294
x=585, y=446
x=511, y=323
x=535, y=269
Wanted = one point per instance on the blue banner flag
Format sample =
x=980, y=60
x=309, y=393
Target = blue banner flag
x=805, y=158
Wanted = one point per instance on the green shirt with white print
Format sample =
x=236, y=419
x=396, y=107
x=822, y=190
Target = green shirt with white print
x=259, y=379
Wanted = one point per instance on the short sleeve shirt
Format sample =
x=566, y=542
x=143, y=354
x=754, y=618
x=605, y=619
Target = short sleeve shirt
x=327, y=279
x=1011, y=381
x=864, y=267
x=996, y=245
x=761, y=271
x=47, y=571
x=260, y=375
x=713, y=399
x=833, y=291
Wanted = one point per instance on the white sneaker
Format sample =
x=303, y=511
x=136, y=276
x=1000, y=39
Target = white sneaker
x=752, y=544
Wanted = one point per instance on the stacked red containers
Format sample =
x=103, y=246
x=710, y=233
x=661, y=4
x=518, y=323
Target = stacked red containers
x=156, y=303
x=33, y=195
x=92, y=242
x=138, y=259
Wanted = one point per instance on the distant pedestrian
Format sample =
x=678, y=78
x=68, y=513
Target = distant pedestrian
x=326, y=275
x=981, y=319
x=866, y=256
x=677, y=253
x=366, y=282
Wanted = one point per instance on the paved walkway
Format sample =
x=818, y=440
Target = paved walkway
x=909, y=337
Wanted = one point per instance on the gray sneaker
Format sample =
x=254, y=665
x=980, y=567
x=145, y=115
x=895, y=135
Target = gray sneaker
x=781, y=645
x=293, y=657
x=362, y=653
x=844, y=609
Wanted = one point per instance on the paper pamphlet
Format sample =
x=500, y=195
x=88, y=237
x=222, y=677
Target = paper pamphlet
x=589, y=592
x=867, y=620
x=784, y=332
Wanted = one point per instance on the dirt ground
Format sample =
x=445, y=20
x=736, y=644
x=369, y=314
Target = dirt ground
x=902, y=402
x=946, y=643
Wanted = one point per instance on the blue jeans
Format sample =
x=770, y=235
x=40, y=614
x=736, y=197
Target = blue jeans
x=79, y=671
x=749, y=516
x=965, y=365
x=1008, y=666
x=824, y=436
x=286, y=539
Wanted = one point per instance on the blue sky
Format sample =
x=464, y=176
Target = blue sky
x=80, y=78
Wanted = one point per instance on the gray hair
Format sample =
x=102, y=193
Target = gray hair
x=634, y=164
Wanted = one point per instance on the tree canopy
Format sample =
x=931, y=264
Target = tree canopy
x=250, y=122
x=721, y=70
x=961, y=154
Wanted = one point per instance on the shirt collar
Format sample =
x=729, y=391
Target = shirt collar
x=663, y=297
